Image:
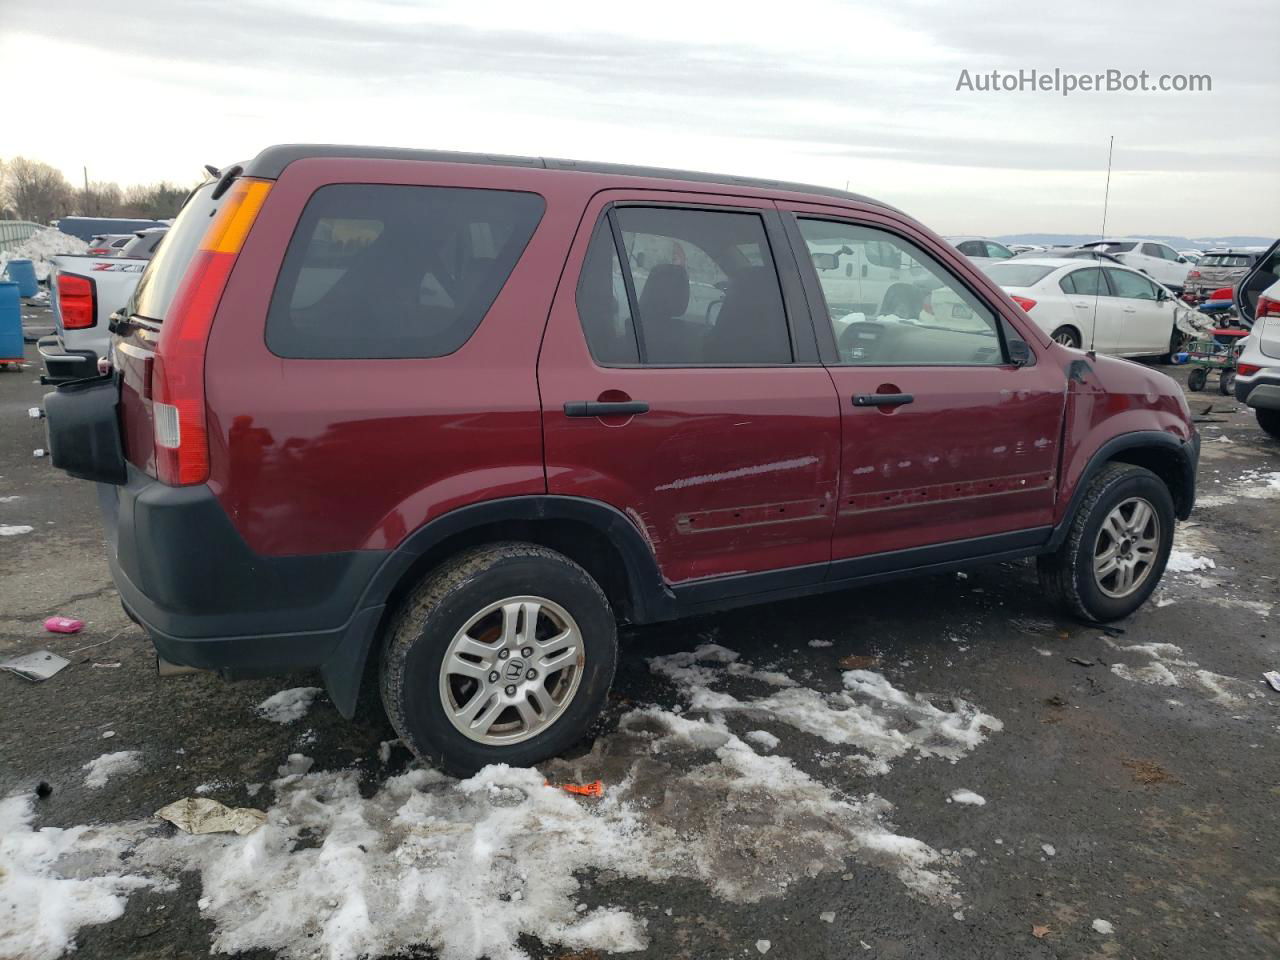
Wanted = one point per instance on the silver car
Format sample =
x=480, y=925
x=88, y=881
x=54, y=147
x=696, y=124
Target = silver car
x=1221, y=268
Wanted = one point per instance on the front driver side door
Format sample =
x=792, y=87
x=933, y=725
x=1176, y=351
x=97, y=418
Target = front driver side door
x=948, y=449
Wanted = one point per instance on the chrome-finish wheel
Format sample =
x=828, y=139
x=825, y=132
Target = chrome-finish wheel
x=1127, y=546
x=512, y=670
x=1065, y=337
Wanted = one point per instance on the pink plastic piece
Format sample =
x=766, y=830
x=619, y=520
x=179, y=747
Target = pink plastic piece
x=63, y=625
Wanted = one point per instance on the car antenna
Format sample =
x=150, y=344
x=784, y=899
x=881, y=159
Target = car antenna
x=1097, y=289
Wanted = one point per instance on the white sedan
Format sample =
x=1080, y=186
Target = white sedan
x=1080, y=302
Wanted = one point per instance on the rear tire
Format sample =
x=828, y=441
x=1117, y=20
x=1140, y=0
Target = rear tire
x=516, y=612
x=1067, y=336
x=1124, y=523
x=1197, y=379
x=1269, y=420
x=1227, y=382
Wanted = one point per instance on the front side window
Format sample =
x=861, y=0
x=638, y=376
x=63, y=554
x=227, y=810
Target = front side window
x=1132, y=285
x=392, y=271
x=665, y=286
x=997, y=251
x=891, y=303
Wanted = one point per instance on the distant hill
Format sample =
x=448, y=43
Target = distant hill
x=1178, y=243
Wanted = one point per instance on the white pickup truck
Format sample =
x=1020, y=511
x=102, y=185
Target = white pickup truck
x=84, y=292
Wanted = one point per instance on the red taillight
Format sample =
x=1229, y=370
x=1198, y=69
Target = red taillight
x=77, y=302
x=177, y=380
x=1193, y=274
x=1247, y=369
x=1267, y=308
x=1026, y=303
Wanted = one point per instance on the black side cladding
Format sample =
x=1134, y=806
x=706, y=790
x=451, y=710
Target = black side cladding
x=84, y=432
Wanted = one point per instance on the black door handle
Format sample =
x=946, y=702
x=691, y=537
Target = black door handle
x=882, y=399
x=605, y=408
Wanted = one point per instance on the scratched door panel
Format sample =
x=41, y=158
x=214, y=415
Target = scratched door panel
x=731, y=469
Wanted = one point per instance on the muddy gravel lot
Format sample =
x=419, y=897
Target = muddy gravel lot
x=935, y=768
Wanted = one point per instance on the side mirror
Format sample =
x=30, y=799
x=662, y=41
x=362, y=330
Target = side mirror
x=1019, y=352
x=826, y=261
x=1161, y=294
x=1182, y=259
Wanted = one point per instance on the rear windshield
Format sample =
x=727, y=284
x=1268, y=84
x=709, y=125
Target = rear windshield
x=1017, y=274
x=160, y=280
x=384, y=270
x=1110, y=247
x=1225, y=260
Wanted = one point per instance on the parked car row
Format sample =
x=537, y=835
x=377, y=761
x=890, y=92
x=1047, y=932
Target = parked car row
x=594, y=394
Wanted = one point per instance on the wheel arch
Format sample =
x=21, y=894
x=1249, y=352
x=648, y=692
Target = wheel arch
x=1168, y=457
x=598, y=537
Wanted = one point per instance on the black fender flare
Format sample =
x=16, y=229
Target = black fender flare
x=1186, y=454
x=650, y=598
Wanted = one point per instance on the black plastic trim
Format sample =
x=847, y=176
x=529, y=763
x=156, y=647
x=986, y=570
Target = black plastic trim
x=83, y=427
x=271, y=163
x=1187, y=452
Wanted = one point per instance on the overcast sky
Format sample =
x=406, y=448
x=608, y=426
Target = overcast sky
x=823, y=92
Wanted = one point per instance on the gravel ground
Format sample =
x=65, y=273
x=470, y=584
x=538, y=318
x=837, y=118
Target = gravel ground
x=1132, y=786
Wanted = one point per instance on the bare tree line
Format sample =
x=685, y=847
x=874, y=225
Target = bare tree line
x=31, y=190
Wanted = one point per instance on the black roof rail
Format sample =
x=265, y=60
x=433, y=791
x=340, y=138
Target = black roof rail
x=271, y=162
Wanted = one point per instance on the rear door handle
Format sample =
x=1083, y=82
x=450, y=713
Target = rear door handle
x=605, y=408
x=882, y=399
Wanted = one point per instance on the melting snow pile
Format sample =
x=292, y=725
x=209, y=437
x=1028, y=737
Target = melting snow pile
x=1181, y=561
x=967, y=797
x=1168, y=667
x=869, y=713
x=41, y=247
x=469, y=867
x=111, y=765
x=288, y=705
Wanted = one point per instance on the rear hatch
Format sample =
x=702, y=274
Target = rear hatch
x=1265, y=272
x=158, y=340
x=1219, y=269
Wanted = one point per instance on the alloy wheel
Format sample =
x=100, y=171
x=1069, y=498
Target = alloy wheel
x=512, y=670
x=1126, y=549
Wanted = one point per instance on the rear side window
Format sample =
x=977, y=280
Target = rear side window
x=390, y=271
x=160, y=281
x=1088, y=282
x=681, y=287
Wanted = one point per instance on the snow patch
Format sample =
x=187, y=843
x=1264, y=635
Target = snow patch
x=288, y=705
x=14, y=530
x=869, y=713
x=1180, y=561
x=1168, y=666
x=968, y=797
x=764, y=739
x=118, y=764
x=1104, y=927
x=820, y=643
x=41, y=247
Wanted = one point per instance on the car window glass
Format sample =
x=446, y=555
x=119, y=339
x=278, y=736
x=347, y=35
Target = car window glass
x=1131, y=285
x=602, y=302
x=914, y=312
x=1087, y=282
x=383, y=270
x=705, y=285
x=997, y=250
x=972, y=248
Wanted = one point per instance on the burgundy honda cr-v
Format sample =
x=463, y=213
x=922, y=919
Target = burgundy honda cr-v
x=451, y=418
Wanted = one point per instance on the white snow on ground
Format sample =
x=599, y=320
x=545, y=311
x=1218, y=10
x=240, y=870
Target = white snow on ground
x=41, y=247
x=820, y=643
x=1104, y=927
x=1180, y=561
x=1258, y=485
x=869, y=713
x=110, y=765
x=764, y=739
x=969, y=797
x=53, y=881
x=288, y=705
x=14, y=530
x=1168, y=666
x=468, y=867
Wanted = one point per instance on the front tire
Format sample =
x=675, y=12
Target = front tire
x=503, y=654
x=1227, y=382
x=1269, y=420
x=1197, y=379
x=1116, y=548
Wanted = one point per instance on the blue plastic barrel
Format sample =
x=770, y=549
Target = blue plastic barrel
x=10, y=322
x=23, y=273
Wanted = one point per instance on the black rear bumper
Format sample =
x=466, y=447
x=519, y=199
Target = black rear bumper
x=207, y=600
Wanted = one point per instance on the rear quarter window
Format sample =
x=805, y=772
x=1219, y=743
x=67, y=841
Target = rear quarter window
x=389, y=271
